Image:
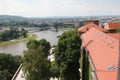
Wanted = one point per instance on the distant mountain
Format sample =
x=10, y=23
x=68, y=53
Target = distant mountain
x=11, y=17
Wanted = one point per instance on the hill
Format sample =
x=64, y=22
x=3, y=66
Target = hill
x=11, y=17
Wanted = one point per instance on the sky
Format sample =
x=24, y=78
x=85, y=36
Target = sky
x=59, y=8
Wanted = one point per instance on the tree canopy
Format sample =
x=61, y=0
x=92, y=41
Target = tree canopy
x=13, y=33
x=23, y=32
x=45, y=46
x=67, y=55
x=118, y=30
x=36, y=66
x=8, y=65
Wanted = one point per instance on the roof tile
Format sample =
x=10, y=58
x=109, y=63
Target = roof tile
x=103, y=51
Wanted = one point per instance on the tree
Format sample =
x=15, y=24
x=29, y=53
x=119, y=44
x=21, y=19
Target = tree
x=43, y=25
x=8, y=65
x=56, y=25
x=5, y=75
x=81, y=23
x=13, y=33
x=45, y=46
x=23, y=32
x=67, y=55
x=35, y=64
x=33, y=44
x=54, y=70
x=118, y=30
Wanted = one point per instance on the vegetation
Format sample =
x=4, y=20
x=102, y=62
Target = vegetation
x=45, y=46
x=86, y=67
x=67, y=55
x=23, y=33
x=118, y=30
x=13, y=33
x=67, y=29
x=8, y=65
x=56, y=25
x=36, y=66
x=24, y=24
x=54, y=70
x=42, y=25
x=66, y=66
x=33, y=36
x=81, y=23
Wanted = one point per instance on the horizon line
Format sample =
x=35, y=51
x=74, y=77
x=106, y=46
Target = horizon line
x=55, y=16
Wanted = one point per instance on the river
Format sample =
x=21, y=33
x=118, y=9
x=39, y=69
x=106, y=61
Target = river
x=18, y=48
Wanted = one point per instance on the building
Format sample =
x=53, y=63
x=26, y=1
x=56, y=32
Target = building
x=100, y=54
x=85, y=28
x=111, y=27
x=91, y=21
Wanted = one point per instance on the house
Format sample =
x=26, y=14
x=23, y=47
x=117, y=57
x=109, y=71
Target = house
x=111, y=27
x=100, y=54
x=85, y=28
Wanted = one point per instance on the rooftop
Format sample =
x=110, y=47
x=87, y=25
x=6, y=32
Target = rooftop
x=88, y=26
x=114, y=35
x=103, y=51
x=110, y=26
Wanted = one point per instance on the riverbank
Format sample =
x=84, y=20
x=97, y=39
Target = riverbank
x=66, y=29
x=21, y=39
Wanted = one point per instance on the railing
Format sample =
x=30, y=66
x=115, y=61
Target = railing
x=17, y=72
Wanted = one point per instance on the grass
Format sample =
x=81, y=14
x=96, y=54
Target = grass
x=21, y=39
x=86, y=67
x=90, y=71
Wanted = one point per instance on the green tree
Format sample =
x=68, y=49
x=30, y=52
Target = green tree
x=45, y=46
x=118, y=30
x=67, y=55
x=56, y=25
x=8, y=65
x=54, y=70
x=13, y=33
x=23, y=32
x=33, y=44
x=81, y=23
x=43, y=25
x=5, y=75
x=35, y=64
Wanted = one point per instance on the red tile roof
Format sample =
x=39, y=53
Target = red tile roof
x=88, y=26
x=107, y=75
x=110, y=26
x=114, y=35
x=103, y=51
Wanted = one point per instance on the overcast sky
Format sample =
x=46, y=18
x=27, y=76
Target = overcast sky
x=51, y=8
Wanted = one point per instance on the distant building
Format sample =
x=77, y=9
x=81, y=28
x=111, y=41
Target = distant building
x=91, y=21
x=71, y=23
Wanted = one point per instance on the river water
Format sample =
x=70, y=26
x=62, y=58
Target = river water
x=18, y=48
